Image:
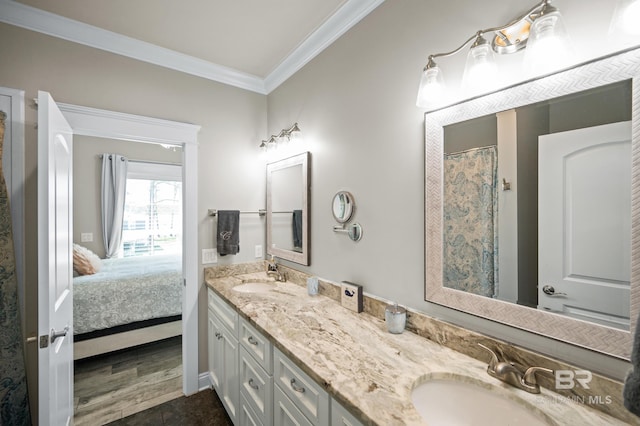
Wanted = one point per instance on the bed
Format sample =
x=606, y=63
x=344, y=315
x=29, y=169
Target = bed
x=129, y=301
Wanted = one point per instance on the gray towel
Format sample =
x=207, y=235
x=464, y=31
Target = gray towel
x=631, y=393
x=228, y=235
x=297, y=228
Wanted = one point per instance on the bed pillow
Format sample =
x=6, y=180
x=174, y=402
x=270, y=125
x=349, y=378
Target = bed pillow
x=85, y=262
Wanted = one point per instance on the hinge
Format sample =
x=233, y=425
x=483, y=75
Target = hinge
x=44, y=341
x=184, y=282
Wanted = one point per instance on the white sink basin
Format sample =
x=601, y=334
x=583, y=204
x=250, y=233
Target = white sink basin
x=254, y=287
x=452, y=402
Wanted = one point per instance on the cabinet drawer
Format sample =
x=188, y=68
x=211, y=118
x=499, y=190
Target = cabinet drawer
x=256, y=386
x=257, y=345
x=247, y=415
x=341, y=417
x=285, y=412
x=226, y=314
x=307, y=395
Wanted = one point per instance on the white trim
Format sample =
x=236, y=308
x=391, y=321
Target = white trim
x=21, y=15
x=15, y=148
x=350, y=14
x=31, y=18
x=204, y=381
x=88, y=121
x=101, y=123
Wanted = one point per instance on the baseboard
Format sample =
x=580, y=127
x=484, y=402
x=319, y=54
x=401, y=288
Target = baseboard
x=204, y=381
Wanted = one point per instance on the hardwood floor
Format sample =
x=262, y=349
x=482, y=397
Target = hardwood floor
x=112, y=386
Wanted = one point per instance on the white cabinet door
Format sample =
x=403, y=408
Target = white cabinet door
x=229, y=384
x=224, y=356
x=215, y=350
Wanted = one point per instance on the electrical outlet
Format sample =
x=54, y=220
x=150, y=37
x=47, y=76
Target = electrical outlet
x=86, y=237
x=258, y=251
x=352, y=296
x=209, y=256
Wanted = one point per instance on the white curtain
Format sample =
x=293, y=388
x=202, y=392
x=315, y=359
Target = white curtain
x=114, y=188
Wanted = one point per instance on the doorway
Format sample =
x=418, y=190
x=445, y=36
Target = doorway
x=107, y=124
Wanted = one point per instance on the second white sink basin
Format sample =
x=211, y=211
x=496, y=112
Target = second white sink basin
x=254, y=287
x=453, y=402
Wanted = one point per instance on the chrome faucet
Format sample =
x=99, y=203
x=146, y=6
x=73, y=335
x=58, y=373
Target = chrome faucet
x=515, y=374
x=273, y=270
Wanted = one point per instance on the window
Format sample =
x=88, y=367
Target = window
x=152, y=210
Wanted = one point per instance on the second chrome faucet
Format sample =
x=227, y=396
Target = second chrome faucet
x=515, y=374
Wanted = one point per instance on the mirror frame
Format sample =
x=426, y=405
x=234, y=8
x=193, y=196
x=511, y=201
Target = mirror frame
x=611, y=69
x=293, y=256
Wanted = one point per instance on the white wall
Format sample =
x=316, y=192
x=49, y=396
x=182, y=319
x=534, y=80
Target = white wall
x=356, y=103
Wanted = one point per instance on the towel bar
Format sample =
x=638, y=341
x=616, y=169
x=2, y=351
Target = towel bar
x=261, y=212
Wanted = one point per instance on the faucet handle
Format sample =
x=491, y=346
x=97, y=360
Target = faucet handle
x=494, y=358
x=530, y=375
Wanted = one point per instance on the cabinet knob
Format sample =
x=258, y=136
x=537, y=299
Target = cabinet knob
x=253, y=341
x=218, y=335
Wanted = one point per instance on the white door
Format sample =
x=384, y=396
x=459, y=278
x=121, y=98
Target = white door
x=55, y=293
x=584, y=219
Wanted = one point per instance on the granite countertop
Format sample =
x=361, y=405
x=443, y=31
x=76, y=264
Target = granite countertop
x=368, y=370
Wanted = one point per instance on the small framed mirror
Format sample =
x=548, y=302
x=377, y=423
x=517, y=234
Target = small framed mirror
x=288, y=209
x=343, y=206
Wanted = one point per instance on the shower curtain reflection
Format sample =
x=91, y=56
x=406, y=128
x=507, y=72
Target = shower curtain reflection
x=470, y=226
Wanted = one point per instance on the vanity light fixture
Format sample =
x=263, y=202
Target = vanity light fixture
x=625, y=19
x=541, y=28
x=292, y=134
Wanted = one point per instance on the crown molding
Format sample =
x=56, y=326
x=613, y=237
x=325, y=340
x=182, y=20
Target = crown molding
x=21, y=15
x=345, y=18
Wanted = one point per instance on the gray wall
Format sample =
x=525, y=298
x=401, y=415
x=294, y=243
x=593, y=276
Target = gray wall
x=230, y=169
x=87, y=175
x=356, y=101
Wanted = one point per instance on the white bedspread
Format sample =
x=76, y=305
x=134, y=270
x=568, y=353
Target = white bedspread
x=128, y=290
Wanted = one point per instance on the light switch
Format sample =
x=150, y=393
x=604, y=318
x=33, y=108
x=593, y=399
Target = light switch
x=86, y=237
x=259, y=251
x=209, y=256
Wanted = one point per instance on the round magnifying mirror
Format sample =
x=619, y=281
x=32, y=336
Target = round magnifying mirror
x=355, y=232
x=343, y=206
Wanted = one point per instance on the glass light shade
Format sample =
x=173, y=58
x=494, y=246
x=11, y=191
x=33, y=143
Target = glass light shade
x=626, y=20
x=432, y=89
x=480, y=71
x=549, y=47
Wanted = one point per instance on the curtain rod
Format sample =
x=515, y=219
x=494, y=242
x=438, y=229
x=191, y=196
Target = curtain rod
x=149, y=161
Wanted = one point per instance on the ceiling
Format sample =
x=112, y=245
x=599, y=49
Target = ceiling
x=253, y=44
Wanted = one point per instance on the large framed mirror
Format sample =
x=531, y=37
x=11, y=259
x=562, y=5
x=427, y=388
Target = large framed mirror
x=533, y=205
x=288, y=208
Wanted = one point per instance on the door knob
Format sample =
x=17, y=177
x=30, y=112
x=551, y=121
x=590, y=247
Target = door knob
x=550, y=291
x=56, y=334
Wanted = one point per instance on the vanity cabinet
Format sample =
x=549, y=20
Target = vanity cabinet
x=257, y=384
x=223, y=353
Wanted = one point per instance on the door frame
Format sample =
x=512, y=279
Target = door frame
x=88, y=121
